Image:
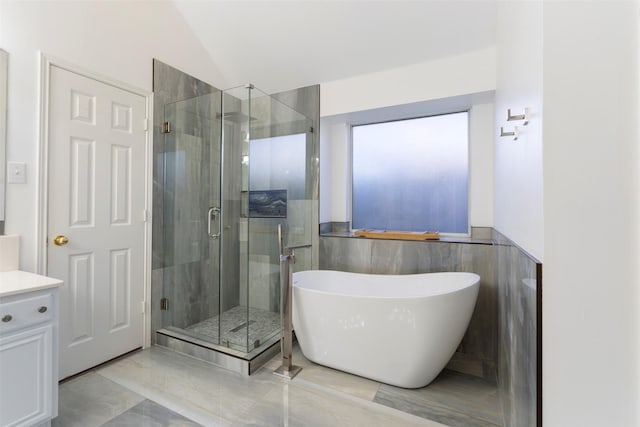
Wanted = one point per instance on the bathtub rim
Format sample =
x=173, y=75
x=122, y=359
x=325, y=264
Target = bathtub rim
x=470, y=284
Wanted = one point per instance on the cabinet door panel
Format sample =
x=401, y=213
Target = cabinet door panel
x=26, y=376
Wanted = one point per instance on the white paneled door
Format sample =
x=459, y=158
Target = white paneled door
x=96, y=222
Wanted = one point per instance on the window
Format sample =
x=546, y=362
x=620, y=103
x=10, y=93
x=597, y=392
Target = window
x=411, y=175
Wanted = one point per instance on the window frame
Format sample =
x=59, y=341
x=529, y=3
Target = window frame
x=350, y=164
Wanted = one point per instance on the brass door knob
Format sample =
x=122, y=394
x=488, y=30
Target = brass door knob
x=60, y=240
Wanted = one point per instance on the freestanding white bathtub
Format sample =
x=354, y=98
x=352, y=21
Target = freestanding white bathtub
x=397, y=329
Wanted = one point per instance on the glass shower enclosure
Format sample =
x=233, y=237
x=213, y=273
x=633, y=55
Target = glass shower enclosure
x=237, y=164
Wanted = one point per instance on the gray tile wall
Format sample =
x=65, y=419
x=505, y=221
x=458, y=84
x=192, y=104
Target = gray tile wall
x=335, y=227
x=480, y=342
x=519, y=330
x=185, y=270
x=180, y=275
x=504, y=334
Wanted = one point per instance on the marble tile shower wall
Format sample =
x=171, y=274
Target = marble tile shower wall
x=233, y=251
x=520, y=328
x=480, y=343
x=176, y=268
x=183, y=268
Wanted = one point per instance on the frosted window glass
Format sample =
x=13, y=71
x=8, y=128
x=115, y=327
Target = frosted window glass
x=279, y=163
x=412, y=175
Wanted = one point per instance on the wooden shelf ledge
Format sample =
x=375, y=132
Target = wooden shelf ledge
x=398, y=235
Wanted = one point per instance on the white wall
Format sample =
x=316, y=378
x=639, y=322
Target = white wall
x=481, y=165
x=590, y=273
x=518, y=196
x=335, y=179
x=472, y=72
x=104, y=37
x=567, y=192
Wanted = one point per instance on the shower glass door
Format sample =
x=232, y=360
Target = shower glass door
x=236, y=165
x=265, y=179
x=191, y=214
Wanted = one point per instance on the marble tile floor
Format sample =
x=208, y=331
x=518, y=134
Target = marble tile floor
x=453, y=399
x=159, y=387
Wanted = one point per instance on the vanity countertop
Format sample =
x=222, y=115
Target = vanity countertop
x=16, y=281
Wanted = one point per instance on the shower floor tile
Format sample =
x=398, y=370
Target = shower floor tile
x=263, y=325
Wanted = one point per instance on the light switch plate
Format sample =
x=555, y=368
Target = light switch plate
x=16, y=173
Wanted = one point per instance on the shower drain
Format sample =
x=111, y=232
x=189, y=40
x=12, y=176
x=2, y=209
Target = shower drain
x=242, y=325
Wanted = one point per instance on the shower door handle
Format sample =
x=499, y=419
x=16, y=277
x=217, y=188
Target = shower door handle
x=211, y=214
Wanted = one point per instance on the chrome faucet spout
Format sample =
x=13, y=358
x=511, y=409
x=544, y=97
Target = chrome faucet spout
x=289, y=253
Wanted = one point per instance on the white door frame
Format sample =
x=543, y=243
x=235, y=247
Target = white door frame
x=46, y=62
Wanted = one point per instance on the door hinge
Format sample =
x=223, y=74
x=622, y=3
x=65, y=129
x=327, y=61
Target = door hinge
x=143, y=307
x=164, y=304
x=146, y=216
x=146, y=123
x=166, y=127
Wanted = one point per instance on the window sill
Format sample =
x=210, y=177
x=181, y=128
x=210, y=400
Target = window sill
x=443, y=239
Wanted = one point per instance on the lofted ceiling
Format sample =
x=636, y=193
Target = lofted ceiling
x=279, y=45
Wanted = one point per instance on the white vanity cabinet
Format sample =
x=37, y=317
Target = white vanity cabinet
x=28, y=349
